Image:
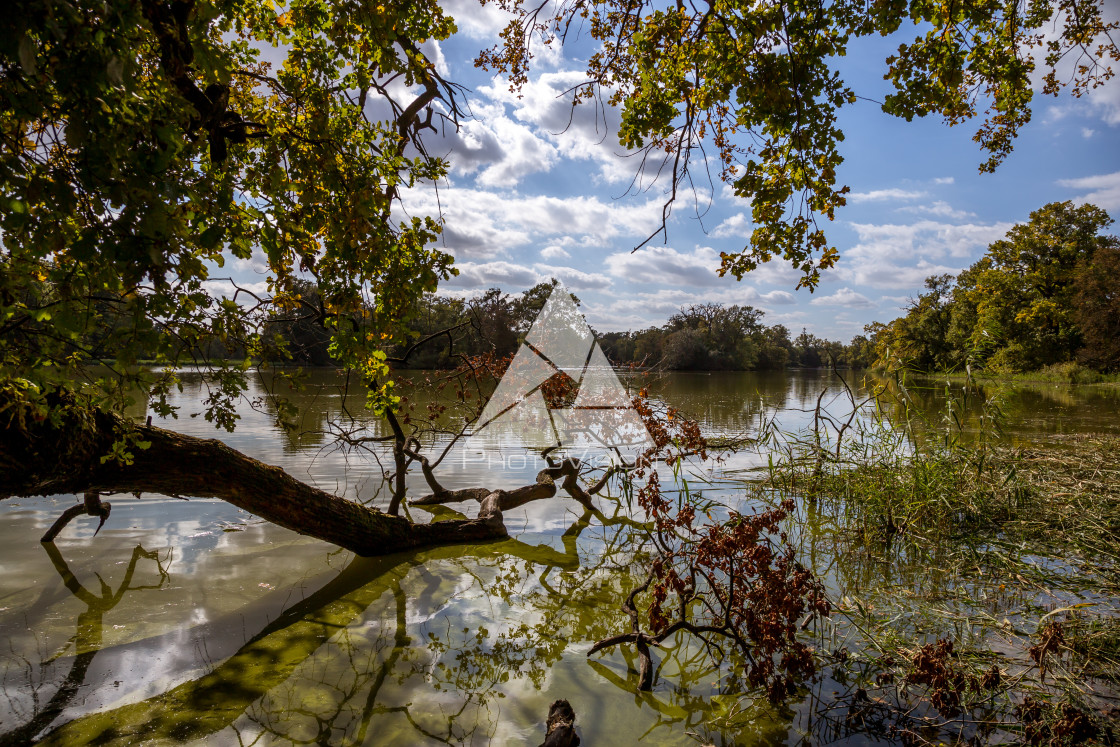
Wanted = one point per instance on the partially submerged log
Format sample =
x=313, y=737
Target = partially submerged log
x=68, y=452
x=560, y=729
x=65, y=455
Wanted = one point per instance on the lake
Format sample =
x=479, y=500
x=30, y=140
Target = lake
x=192, y=621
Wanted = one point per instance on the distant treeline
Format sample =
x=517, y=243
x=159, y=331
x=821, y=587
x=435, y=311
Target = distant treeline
x=707, y=336
x=714, y=337
x=1046, y=295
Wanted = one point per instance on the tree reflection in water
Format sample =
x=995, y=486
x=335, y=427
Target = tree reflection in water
x=86, y=641
x=449, y=646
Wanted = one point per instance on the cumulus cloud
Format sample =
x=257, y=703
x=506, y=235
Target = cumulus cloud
x=433, y=50
x=622, y=309
x=727, y=192
x=482, y=22
x=554, y=252
x=522, y=153
x=226, y=289
x=778, y=298
x=1104, y=189
x=487, y=224
x=1055, y=114
x=737, y=225
x=845, y=297
x=481, y=238
x=573, y=278
x=665, y=265
x=587, y=132
x=504, y=275
x=1105, y=102
x=884, y=195
x=926, y=238
x=890, y=275
x=1102, y=101
x=903, y=255
x=498, y=150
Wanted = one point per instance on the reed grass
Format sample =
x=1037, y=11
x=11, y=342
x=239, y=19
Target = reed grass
x=1010, y=557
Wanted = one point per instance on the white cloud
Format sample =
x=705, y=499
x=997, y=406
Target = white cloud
x=778, y=272
x=896, y=301
x=587, y=132
x=737, y=225
x=486, y=224
x=944, y=180
x=890, y=275
x=940, y=208
x=666, y=266
x=926, y=238
x=1104, y=189
x=501, y=151
x=1102, y=101
x=220, y=288
x=641, y=310
x=1055, y=114
x=523, y=153
x=902, y=256
x=434, y=52
x=480, y=238
x=845, y=297
x=554, y=252
x=727, y=192
x=573, y=278
x=476, y=21
x=1087, y=132
x=778, y=298
x=1105, y=102
x=883, y=195
x=504, y=275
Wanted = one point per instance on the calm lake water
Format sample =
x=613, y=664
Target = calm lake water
x=195, y=622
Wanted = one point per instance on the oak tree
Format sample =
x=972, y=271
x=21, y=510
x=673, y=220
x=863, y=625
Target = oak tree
x=760, y=84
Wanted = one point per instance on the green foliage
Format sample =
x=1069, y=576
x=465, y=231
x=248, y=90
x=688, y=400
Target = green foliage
x=1040, y=297
x=1097, y=301
x=761, y=82
x=149, y=143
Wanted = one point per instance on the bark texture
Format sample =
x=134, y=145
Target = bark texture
x=64, y=454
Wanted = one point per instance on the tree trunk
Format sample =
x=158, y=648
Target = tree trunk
x=38, y=457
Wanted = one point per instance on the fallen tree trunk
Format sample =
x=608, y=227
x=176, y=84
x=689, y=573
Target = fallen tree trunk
x=65, y=453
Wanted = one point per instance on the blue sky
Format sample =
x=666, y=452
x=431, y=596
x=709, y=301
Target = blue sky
x=530, y=197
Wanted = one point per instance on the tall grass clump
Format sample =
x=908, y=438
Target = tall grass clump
x=975, y=581
x=889, y=467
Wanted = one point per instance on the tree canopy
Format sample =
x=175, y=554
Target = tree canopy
x=760, y=84
x=146, y=145
x=1045, y=294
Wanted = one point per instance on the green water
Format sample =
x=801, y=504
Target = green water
x=194, y=622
